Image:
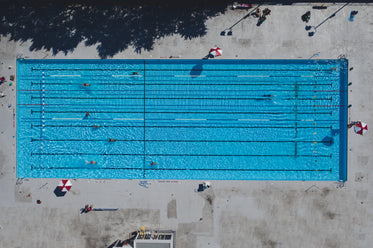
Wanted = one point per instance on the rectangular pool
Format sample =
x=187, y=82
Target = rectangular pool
x=182, y=119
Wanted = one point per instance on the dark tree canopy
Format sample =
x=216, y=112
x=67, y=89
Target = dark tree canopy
x=59, y=26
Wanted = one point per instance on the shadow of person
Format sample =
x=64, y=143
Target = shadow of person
x=201, y=188
x=208, y=56
x=334, y=132
x=196, y=71
x=328, y=141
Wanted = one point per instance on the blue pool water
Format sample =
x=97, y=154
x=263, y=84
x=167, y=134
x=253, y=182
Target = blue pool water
x=194, y=119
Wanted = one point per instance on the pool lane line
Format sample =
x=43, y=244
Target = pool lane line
x=178, y=169
x=65, y=76
x=141, y=126
x=229, y=76
x=30, y=104
x=202, y=94
x=181, y=112
x=127, y=119
x=130, y=75
x=270, y=83
x=253, y=120
x=187, y=141
x=81, y=69
x=144, y=152
x=136, y=106
x=171, y=69
x=190, y=119
x=184, y=90
x=260, y=76
x=190, y=76
x=180, y=155
x=63, y=118
x=31, y=90
x=103, y=79
x=179, y=98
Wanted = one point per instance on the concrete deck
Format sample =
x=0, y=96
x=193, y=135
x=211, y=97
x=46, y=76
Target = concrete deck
x=234, y=213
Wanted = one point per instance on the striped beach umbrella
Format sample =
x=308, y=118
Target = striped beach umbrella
x=64, y=185
x=361, y=128
x=216, y=51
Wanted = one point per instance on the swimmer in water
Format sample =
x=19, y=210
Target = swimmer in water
x=112, y=140
x=86, y=84
x=153, y=163
x=269, y=96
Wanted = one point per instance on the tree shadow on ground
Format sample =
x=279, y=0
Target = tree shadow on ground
x=112, y=25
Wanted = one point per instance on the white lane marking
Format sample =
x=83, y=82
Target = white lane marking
x=126, y=75
x=67, y=118
x=253, y=119
x=128, y=119
x=253, y=76
x=306, y=76
x=190, y=119
x=189, y=75
x=65, y=75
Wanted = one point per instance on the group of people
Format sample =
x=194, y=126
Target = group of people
x=306, y=17
x=262, y=15
x=353, y=123
x=237, y=5
x=87, y=208
x=352, y=15
x=2, y=80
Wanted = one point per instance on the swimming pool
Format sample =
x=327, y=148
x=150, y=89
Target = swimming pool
x=182, y=119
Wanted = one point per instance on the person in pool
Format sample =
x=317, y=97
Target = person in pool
x=268, y=96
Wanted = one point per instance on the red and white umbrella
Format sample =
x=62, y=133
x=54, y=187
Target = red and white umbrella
x=216, y=51
x=360, y=128
x=64, y=185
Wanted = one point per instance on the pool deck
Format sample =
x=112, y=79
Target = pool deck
x=230, y=213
